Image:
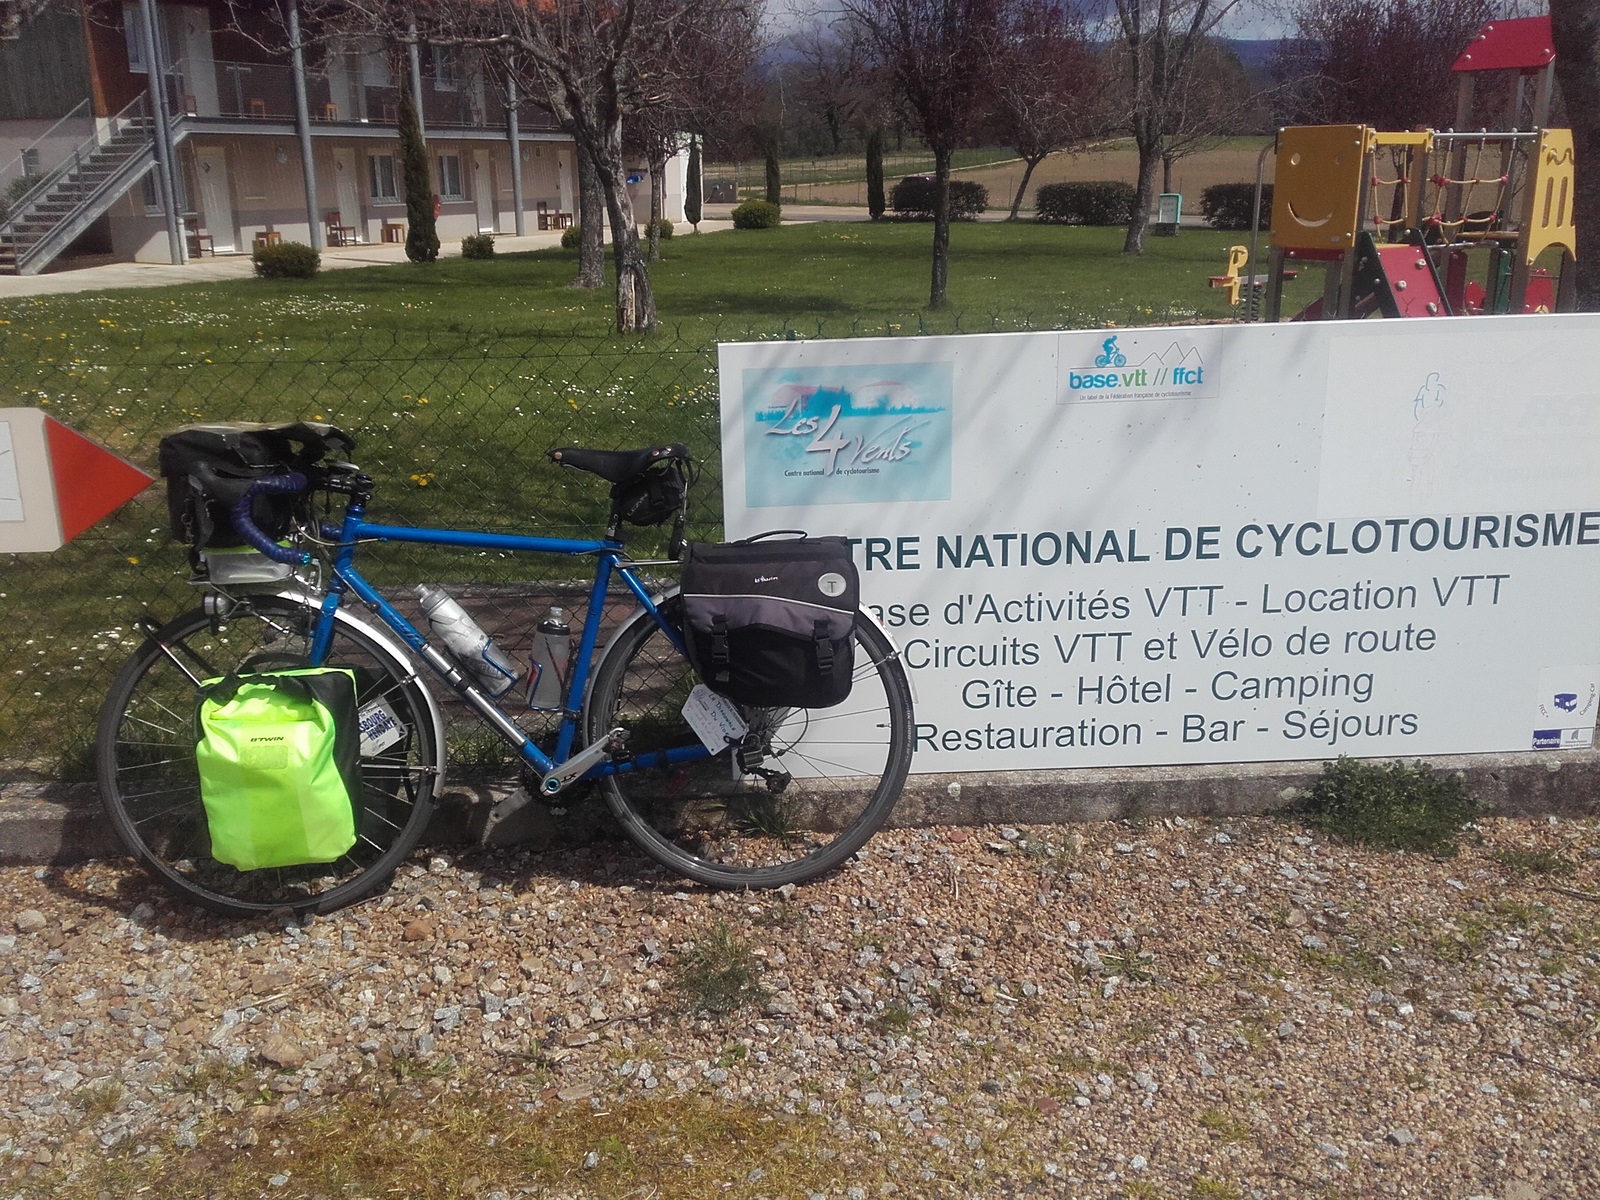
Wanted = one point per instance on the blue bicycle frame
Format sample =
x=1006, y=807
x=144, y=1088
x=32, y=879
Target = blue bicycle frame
x=564, y=767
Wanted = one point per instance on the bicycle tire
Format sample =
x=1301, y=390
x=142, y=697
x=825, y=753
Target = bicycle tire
x=847, y=765
x=149, y=781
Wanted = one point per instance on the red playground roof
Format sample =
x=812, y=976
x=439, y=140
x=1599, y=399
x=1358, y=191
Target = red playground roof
x=1517, y=44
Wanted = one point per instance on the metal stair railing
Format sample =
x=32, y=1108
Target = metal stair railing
x=17, y=166
x=82, y=179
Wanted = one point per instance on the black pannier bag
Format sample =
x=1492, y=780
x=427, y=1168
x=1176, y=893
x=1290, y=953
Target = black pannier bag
x=769, y=623
x=208, y=467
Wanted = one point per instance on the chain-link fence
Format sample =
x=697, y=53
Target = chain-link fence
x=454, y=427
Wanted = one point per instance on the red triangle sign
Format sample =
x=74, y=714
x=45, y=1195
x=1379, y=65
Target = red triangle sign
x=91, y=482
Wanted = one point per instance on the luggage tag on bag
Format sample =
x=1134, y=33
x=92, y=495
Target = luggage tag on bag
x=714, y=719
x=380, y=728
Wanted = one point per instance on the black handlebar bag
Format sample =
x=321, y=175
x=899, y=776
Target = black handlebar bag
x=768, y=622
x=209, y=467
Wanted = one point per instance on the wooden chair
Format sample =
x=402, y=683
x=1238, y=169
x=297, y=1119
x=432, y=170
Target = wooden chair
x=394, y=231
x=257, y=108
x=199, y=243
x=543, y=211
x=339, y=235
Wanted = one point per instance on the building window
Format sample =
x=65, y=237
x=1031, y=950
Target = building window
x=30, y=162
x=133, y=33
x=446, y=69
x=149, y=194
x=450, y=177
x=381, y=176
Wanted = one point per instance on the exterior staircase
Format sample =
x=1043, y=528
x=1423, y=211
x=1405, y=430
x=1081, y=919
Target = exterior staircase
x=51, y=215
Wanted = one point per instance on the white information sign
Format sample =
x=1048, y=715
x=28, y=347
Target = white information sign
x=1207, y=544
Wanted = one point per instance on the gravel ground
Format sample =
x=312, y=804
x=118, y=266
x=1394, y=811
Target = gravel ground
x=1175, y=1009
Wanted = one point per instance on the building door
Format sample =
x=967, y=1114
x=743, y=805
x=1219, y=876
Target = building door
x=199, y=67
x=483, y=189
x=349, y=190
x=216, y=201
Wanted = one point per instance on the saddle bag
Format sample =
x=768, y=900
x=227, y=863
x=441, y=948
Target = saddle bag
x=279, y=758
x=768, y=623
x=208, y=467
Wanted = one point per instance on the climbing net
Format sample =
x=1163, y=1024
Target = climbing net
x=1467, y=219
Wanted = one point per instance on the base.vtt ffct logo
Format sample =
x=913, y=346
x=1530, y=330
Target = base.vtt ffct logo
x=1124, y=369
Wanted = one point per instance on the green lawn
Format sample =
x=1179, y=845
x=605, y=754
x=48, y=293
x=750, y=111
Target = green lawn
x=458, y=376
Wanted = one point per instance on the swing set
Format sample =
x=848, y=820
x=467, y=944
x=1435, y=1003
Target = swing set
x=1427, y=223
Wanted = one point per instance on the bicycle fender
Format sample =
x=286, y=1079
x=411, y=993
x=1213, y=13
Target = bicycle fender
x=381, y=637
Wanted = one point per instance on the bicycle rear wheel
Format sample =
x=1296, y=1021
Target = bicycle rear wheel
x=149, y=782
x=827, y=779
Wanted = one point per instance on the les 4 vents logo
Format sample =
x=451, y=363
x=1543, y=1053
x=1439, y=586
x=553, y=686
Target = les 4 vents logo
x=1138, y=365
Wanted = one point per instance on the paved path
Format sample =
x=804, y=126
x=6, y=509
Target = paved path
x=237, y=266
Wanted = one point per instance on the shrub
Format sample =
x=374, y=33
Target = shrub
x=1395, y=806
x=571, y=237
x=286, y=260
x=1228, y=205
x=663, y=224
x=719, y=973
x=913, y=197
x=757, y=214
x=1100, y=202
x=477, y=245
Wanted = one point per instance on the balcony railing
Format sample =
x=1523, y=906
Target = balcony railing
x=265, y=92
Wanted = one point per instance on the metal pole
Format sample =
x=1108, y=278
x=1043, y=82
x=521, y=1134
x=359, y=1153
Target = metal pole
x=1255, y=226
x=166, y=175
x=302, y=125
x=416, y=77
x=516, y=147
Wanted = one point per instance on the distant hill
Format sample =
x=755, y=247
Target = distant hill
x=1256, y=54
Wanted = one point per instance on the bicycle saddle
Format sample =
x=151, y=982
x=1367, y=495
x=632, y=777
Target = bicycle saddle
x=615, y=466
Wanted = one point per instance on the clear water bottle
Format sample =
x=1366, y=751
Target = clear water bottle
x=552, y=645
x=472, y=647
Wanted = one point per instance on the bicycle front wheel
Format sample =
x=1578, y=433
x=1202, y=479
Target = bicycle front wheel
x=825, y=781
x=150, y=785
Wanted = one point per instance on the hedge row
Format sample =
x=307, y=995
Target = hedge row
x=1100, y=202
x=913, y=198
x=1228, y=205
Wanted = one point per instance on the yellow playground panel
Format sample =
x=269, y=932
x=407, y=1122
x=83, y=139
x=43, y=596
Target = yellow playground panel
x=1349, y=196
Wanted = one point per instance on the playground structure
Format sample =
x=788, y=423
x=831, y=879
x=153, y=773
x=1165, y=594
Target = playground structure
x=1406, y=224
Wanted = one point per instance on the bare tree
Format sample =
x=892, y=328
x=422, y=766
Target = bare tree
x=1160, y=41
x=703, y=74
x=1044, y=79
x=1575, y=25
x=1218, y=99
x=936, y=53
x=591, y=61
x=1340, y=65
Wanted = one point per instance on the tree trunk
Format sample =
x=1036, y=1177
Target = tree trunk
x=591, y=225
x=1143, y=195
x=1166, y=172
x=774, y=177
x=941, y=227
x=636, y=305
x=875, y=203
x=1016, y=201
x=658, y=169
x=1575, y=27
